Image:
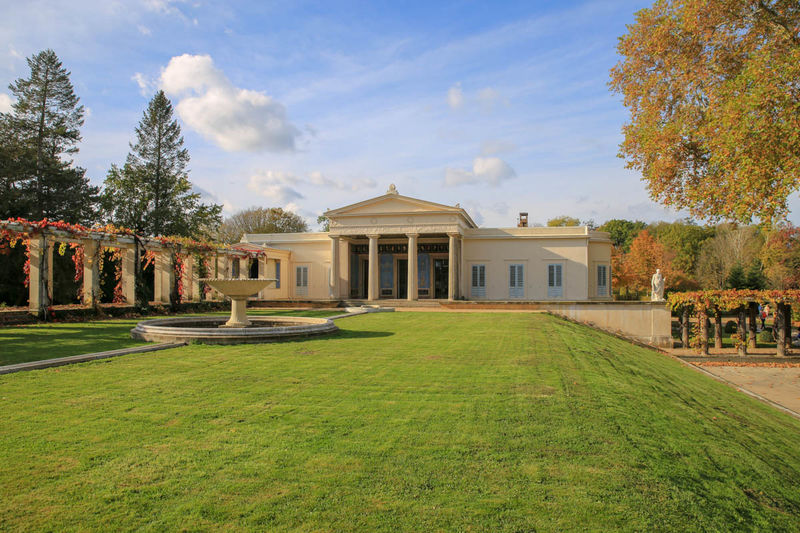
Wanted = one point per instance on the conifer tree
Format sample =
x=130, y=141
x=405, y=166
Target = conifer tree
x=151, y=193
x=38, y=137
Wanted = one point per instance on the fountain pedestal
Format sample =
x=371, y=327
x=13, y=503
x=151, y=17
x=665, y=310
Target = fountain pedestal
x=238, y=290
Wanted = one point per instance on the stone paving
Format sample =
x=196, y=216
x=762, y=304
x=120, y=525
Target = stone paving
x=780, y=384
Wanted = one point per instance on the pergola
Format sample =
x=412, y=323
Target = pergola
x=176, y=260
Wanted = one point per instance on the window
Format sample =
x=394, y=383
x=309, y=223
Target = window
x=277, y=274
x=555, y=280
x=478, y=281
x=516, y=281
x=602, y=280
x=301, y=281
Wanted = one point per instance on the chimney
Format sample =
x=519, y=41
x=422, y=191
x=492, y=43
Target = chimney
x=523, y=220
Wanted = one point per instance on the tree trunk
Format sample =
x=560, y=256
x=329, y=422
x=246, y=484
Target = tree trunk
x=787, y=325
x=751, y=323
x=685, y=327
x=779, y=330
x=741, y=345
x=717, y=328
x=703, y=318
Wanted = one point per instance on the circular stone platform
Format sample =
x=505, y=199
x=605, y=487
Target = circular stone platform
x=207, y=329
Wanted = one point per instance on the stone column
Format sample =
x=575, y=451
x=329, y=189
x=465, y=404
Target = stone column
x=372, y=289
x=164, y=276
x=39, y=298
x=186, y=278
x=128, y=275
x=451, y=267
x=91, y=273
x=333, y=283
x=194, y=274
x=413, y=293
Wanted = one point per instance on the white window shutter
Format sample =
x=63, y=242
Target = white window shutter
x=555, y=286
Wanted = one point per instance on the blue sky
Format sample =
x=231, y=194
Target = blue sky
x=501, y=107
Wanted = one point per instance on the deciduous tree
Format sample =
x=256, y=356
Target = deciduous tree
x=712, y=90
x=259, y=220
x=563, y=220
x=623, y=231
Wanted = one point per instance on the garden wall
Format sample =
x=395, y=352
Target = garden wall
x=645, y=322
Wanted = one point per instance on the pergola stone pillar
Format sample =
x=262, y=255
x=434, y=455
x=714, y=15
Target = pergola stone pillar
x=372, y=279
x=413, y=291
x=164, y=276
x=91, y=273
x=39, y=287
x=194, y=275
x=186, y=278
x=129, y=275
x=333, y=282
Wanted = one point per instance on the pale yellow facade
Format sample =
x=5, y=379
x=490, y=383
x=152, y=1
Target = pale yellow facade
x=368, y=252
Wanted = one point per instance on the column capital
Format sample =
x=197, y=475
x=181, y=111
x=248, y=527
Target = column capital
x=454, y=234
x=334, y=237
x=373, y=236
x=412, y=235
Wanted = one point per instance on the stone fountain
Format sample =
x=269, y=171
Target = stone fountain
x=238, y=290
x=239, y=328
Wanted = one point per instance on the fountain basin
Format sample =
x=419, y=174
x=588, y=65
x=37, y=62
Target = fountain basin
x=209, y=330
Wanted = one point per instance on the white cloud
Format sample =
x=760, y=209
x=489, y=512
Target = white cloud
x=275, y=185
x=455, y=96
x=146, y=86
x=283, y=187
x=491, y=170
x=144, y=30
x=5, y=103
x=233, y=118
x=319, y=179
x=164, y=7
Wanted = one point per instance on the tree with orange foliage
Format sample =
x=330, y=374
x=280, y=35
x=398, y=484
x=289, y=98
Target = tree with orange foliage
x=781, y=258
x=712, y=90
x=634, y=270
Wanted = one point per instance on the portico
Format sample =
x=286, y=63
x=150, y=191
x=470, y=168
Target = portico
x=396, y=248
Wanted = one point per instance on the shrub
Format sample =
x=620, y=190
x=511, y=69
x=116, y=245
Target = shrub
x=765, y=336
x=731, y=326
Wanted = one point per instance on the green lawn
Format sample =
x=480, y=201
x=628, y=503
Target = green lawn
x=20, y=344
x=402, y=421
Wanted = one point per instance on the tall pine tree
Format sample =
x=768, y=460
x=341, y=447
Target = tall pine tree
x=38, y=138
x=151, y=193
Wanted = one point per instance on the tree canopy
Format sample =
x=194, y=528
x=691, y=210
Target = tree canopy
x=563, y=220
x=37, y=177
x=259, y=220
x=713, y=90
x=152, y=193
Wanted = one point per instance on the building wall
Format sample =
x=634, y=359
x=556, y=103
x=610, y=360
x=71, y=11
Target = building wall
x=576, y=249
x=599, y=254
x=535, y=255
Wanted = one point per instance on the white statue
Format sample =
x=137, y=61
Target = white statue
x=392, y=189
x=657, y=286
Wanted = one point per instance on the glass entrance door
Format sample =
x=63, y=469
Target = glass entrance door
x=440, y=275
x=402, y=278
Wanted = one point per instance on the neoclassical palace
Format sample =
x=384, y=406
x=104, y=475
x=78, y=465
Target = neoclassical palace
x=397, y=247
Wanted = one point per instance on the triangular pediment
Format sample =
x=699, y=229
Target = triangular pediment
x=392, y=203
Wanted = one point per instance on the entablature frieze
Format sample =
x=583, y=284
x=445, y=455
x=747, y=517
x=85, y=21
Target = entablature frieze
x=392, y=230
